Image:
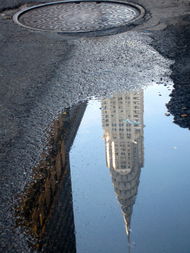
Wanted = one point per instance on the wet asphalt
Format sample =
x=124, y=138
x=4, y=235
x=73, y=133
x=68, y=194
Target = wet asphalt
x=42, y=73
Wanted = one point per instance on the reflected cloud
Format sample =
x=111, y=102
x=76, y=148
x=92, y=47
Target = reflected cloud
x=122, y=121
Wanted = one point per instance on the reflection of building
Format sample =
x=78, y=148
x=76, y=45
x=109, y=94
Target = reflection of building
x=179, y=51
x=179, y=104
x=122, y=119
x=46, y=210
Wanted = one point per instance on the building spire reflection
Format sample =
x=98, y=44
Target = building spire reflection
x=122, y=120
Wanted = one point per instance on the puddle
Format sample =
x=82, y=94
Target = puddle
x=107, y=165
x=112, y=175
x=127, y=163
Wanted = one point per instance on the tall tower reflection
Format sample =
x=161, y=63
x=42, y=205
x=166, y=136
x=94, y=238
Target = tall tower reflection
x=122, y=120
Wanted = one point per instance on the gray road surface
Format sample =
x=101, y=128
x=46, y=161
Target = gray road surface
x=41, y=74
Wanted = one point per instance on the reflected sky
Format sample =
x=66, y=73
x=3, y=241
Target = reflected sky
x=160, y=214
x=42, y=74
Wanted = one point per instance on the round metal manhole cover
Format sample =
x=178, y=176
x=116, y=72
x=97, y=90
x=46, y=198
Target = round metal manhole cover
x=79, y=16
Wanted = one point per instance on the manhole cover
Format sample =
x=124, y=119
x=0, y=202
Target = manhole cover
x=79, y=16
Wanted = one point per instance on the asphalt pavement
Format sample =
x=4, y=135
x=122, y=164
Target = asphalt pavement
x=43, y=73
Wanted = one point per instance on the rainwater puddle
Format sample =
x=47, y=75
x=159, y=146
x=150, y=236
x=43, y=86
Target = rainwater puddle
x=130, y=176
x=108, y=175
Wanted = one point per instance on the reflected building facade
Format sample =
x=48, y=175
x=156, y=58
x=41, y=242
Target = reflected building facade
x=122, y=120
x=45, y=211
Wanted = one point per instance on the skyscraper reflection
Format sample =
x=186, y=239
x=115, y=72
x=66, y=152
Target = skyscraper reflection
x=122, y=120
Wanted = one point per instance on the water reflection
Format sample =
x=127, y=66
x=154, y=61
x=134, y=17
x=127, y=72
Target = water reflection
x=45, y=211
x=122, y=120
x=179, y=104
